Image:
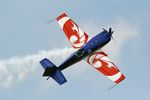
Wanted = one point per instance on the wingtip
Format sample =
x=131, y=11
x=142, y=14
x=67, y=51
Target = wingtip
x=61, y=16
x=120, y=79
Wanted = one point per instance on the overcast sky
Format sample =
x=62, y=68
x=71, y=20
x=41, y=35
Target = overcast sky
x=25, y=39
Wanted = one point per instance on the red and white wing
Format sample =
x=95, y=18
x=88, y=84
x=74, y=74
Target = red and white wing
x=101, y=62
x=74, y=33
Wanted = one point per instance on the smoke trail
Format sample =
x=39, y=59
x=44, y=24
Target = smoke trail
x=17, y=69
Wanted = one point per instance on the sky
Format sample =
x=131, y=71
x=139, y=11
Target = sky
x=25, y=39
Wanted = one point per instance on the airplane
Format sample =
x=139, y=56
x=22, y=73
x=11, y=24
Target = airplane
x=86, y=49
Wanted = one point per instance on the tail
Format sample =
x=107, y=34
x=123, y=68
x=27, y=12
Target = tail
x=52, y=71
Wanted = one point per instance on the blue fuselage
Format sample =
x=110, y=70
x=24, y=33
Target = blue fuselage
x=91, y=46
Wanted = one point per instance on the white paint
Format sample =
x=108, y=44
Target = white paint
x=98, y=64
x=73, y=38
x=81, y=33
x=82, y=39
x=91, y=58
x=115, y=77
x=105, y=58
x=62, y=21
x=98, y=56
x=78, y=45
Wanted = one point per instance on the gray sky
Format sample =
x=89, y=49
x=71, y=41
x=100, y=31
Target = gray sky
x=25, y=39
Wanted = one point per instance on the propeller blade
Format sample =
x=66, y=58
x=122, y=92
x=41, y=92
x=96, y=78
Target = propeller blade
x=110, y=30
x=113, y=39
x=104, y=29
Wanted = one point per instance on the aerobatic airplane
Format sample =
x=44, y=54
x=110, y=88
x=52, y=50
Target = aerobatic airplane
x=86, y=49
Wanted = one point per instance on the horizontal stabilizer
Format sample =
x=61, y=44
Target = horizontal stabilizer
x=51, y=70
x=59, y=77
x=46, y=63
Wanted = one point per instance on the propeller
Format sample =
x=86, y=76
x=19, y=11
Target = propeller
x=110, y=32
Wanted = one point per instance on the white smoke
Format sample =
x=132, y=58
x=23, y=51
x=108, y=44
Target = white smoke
x=17, y=69
x=123, y=32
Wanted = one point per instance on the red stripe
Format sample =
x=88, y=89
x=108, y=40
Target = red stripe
x=61, y=16
x=120, y=79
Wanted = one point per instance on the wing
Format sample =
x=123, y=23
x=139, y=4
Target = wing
x=74, y=33
x=101, y=62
